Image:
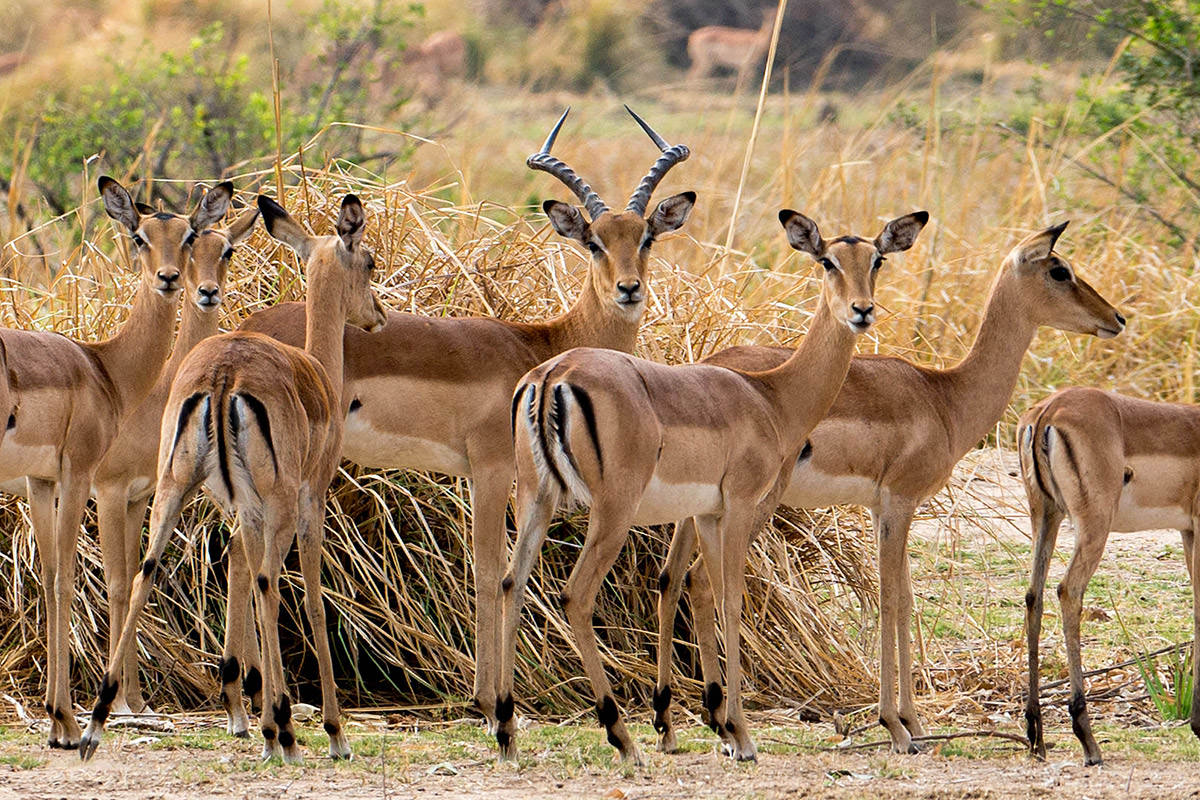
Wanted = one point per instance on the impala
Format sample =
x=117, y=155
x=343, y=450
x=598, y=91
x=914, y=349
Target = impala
x=889, y=441
x=736, y=48
x=433, y=393
x=259, y=424
x=642, y=443
x=1112, y=463
x=73, y=396
x=124, y=479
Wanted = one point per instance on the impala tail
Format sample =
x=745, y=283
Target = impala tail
x=549, y=417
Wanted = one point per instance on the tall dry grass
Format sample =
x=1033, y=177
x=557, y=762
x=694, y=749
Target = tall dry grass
x=398, y=566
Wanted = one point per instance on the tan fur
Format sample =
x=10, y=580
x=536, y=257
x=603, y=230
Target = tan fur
x=273, y=471
x=1112, y=463
x=124, y=479
x=72, y=396
x=892, y=437
x=645, y=443
x=435, y=392
x=735, y=48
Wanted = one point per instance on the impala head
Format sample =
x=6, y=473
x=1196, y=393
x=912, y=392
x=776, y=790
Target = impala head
x=204, y=276
x=1053, y=294
x=163, y=240
x=619, y=242
x=340, y=263
x=851, y=263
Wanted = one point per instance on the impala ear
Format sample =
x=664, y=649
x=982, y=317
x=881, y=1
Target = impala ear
x=212, y=206
x=671, y=213
x=282, y=227
x=241, y=227
x=117, y=202
x=899, y=234
x=351, y=222
x=1038, y=246
x=802, y=233
x=566, y=220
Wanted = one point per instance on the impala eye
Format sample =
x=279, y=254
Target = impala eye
x=138, y=241
x=190, y=240
x=1060, y=273
x=828, y=264
x=646, y=244
x=877, y=263
x=595, y=248
x=228, y=254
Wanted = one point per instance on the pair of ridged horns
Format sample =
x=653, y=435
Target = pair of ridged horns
x=671, y=155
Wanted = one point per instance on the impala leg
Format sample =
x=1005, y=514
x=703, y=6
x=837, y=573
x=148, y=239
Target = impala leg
x=1189, y=554
x=904, y=614
x=535, y=507
x=736, y=532
x=892, y=539
x=41, y=513
x=168, y=500
x=1091, y=535
x=135, y=518
x=311, y=539
x=700, y=580
x=606, y=534
x=1046, y=520
x=265, y=549
x=239, y=624
x=73, y=492
x=670, y=586
x=489, y=500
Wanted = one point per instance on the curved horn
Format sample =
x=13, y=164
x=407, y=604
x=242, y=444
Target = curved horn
x=547, y=163
x=669, y=158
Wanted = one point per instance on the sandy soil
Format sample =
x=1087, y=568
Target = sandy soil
x=135, y=771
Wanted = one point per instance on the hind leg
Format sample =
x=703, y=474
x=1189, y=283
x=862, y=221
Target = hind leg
x=169, y=499
x=670, y=587
x=41, y=514
x=239, y=622
x=1046, y=520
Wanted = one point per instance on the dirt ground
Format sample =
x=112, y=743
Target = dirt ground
x=128, y=768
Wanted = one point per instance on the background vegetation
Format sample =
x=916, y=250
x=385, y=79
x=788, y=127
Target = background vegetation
x=975, y=114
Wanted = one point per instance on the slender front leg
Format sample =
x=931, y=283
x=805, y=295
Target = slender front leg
x=608, y=527
x=72, y=502
x=535, y=507
x=1091, y=534
x=891, y=531
x=239, y=622
x=489, y=500
x=909, y=717
x=168, y=500
x=1046, y=520
x=41, y=514
x=670, y=587
x=135, y=518
x=311, y=539
x=702, y=594
x=736, y=529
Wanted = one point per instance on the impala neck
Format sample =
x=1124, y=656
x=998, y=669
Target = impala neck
x=804, y=387
x=980, y=386
x=195, y=327
x=325, y=321
x=591, y=322
x=134, y=358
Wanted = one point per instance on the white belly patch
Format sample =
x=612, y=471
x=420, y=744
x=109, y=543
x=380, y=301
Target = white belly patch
x=668, y=502
x=811, y=488
x=369, y=447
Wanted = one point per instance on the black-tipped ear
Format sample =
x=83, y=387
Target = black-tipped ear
x=899, y=234
x=802, y=232
x=671, y=213
x=566, y=219
x=117, y=202
x=212, y=206
x=1038, y=246
x=351, y=222
x=281, y=226
x=145, y=209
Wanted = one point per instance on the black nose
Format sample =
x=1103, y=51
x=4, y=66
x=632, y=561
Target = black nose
x=1120, y=318
x=209, y=294
x=168, y=278
x=862, y=312
x=628, y=287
